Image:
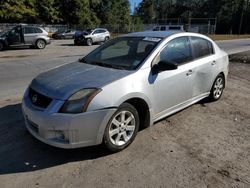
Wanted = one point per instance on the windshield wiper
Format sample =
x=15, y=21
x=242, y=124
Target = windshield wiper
x=106, y=65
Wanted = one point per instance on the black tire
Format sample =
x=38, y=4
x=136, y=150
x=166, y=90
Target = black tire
x=217, y=88
x=40, y=44
x=109, y=140
x=89, y=41
x=106, y=39
x=1, y=46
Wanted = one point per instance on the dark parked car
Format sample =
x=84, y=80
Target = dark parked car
x=91, y=36
x=24, y=35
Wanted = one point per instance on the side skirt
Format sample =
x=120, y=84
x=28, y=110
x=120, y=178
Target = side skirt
x=179, y=107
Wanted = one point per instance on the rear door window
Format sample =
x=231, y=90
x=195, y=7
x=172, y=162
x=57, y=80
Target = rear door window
x=29, y=30
x=201, y=47
x=38, y=30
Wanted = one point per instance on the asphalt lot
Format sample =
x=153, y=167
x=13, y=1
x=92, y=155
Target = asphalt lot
x=18, y=67
x=205, y=145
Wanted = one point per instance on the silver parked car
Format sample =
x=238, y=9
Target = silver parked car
x=125, y=84
x=24, y=35
x=91, y=36
x=68, y=34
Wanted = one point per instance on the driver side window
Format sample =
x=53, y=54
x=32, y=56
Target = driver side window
x=14, y=32
x=96, y=32
x=177, y=51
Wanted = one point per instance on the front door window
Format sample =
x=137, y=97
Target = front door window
x=15, y=36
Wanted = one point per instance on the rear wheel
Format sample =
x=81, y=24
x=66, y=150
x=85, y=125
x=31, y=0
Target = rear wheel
x=106, y=39
x=89, y=42
x=122, y=128
x=217, y=88
x=40, y=44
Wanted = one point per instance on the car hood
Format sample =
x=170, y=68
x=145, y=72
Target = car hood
x=60, y=83
x=82, y=33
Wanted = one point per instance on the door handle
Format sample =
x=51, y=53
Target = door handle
x=213, y=63
x=190, y=72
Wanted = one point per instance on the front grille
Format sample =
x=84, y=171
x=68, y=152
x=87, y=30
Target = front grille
x=38, y=99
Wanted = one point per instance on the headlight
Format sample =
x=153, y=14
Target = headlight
x=79, y=101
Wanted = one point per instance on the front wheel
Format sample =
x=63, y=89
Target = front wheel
x=40, y=44
x=217, y=88
x=89, y=41
x=122, y=128
x=106, y=39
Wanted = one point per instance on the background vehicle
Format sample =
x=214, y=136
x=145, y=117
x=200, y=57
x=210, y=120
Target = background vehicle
x=68, y=34
x=168, y=27
x=126, y=83
x=89, y=36
x=24, y=35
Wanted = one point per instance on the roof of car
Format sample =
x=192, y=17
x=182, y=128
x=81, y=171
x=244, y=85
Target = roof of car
x=100, y=28
x=161, y=34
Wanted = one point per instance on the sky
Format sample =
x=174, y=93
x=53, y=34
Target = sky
x=133, y=3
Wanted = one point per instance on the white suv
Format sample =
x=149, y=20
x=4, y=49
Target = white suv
x=91, y=36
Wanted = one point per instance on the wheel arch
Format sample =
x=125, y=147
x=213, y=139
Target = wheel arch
x=40, y=39
x=223, y=74
x=143, y=111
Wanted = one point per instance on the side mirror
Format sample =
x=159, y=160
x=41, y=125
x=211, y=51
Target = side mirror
x=163, y=66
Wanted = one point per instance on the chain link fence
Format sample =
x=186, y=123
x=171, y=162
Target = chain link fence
x=48, y=28
x=197, y=25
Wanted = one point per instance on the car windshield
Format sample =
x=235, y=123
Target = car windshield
x=122, y=53
x=89, y=31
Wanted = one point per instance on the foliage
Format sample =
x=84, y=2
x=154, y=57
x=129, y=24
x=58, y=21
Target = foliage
x=17, y=11
x=83, y=13
x=230, y=14
x=48, y=11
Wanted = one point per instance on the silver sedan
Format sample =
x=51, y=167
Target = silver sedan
x=125, y=84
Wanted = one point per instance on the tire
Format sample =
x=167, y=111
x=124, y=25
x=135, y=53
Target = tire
x=217, y=88
x=40, y=44
x=1, y=46
x=106, y=39
x=122, y=128
x=89, y=42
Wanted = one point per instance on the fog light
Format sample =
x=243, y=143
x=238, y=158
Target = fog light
x=62, y=135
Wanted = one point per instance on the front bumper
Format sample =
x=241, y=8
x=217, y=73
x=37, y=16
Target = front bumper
x=79, y=40
x=65, y=130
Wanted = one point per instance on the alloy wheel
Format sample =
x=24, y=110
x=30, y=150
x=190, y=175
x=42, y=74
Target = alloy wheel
x=218, y=87
x=40, y=44
x=122, y=128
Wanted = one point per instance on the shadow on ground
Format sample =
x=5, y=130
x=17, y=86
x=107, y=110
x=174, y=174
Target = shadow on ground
x=67, y=45
x=20, y=152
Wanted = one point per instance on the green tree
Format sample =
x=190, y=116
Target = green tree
x=48, y=12
x=147, y=11
x=17, y=11
x=164, y=8
x=116, y=14
x=79, y=12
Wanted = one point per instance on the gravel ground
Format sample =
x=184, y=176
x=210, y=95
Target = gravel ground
x=205, y=145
